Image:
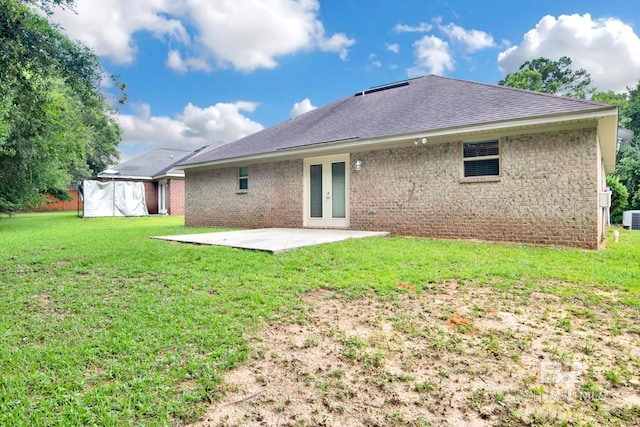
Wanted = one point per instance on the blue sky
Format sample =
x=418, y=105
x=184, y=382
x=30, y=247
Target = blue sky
x=200, y=72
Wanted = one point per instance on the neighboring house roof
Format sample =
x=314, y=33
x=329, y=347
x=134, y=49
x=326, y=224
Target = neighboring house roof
x=431, y=106
x=153, y=164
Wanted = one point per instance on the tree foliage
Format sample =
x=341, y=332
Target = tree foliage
x=631, y=114
x=619, y=198
x=553, y=77
x=628, y=171
x=628, y=156
x=55, y=124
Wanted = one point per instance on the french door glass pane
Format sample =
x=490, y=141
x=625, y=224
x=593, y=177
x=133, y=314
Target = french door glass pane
x=316, y=191
x=338, y=199
x=163, y=197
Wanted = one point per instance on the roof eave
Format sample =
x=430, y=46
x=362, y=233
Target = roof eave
x=125, y=177
x=604, y=115
x=169, y=175
x=608, y=137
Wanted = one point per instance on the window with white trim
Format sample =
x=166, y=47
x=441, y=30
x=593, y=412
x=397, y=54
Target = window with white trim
x=481, y=158
x=243, y=178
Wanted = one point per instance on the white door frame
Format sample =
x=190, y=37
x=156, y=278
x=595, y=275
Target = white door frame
x=162, y=197
x=327, y=221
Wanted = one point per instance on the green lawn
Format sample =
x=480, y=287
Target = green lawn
x=100, y=325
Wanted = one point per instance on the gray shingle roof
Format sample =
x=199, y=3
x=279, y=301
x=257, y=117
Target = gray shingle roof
x=159, y=161
x=423, y=104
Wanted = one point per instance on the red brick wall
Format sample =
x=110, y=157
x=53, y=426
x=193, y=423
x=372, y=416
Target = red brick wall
x=175, y=197
x=547, y=192
x=274, y=198
x=151, y=196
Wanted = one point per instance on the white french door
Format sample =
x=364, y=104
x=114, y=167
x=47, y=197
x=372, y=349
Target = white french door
x=162, y=197
x=326, y=191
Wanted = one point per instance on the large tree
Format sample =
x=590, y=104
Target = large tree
x=548, y=76
x=628, y=157
x=55, y=124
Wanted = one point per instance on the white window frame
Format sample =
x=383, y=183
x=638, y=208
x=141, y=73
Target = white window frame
x=478, y=158
x=243, y=178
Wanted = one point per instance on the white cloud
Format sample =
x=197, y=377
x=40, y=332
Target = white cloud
x=373, y=64
x=473, y=40
x=177, y=63
x=301, y=107
x=393, y=47
x=423, y=27
x=607, y=48
x=433, y=56
x=338, y=43
x=243, y=34
x=108, y=26
x=193, y=128
x=249, y=34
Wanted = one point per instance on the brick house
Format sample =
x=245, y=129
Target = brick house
x=432, y=156
x=163, y=184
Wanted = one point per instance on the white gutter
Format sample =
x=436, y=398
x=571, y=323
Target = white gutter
x=139, y=178
x=169, y=175
x=142, y=178
x=370, y=143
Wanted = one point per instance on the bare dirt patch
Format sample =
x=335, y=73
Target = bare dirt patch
x=455, y=354
x=45, y=305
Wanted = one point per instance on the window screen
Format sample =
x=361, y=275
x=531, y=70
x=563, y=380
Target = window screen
x=481, y=158
x=243, y=178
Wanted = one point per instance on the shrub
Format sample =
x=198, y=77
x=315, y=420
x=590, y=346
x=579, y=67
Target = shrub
x=619, y=198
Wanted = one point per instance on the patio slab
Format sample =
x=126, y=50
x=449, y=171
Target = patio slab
x=274, y=240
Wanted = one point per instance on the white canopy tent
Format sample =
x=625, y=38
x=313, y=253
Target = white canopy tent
x=114, y=198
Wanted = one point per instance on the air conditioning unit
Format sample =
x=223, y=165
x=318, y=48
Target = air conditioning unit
x=631, y=220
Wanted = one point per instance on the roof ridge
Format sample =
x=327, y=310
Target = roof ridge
x=169, y=149
x=543, y=94
x=155, y=162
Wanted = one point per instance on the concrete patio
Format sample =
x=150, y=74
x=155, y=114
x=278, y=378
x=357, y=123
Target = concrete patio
x=273, y=240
